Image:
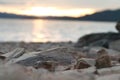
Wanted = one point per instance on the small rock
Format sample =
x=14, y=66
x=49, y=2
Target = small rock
x=103, y=60
x=81, y=64
x=49, y=65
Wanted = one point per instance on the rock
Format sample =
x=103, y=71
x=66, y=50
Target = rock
x=7, y=58
x=102, y=43
x=61, y=55
x=97, y=39
x=103, y=60
x=118, y=26
x=102, y=52
x=49, y=65
x=14, y=54
x=81, y=64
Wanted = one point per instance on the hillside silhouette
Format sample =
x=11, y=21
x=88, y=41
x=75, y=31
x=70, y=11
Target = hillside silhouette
x=107, y=15
x=13, y=16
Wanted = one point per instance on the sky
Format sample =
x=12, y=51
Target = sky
x=73, y=8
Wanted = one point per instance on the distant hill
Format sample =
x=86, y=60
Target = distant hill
x=108, y=15
x=13, y=16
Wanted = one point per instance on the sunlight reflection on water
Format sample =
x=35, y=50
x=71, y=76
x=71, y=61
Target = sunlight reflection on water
x=43, y=33
x=49, y=30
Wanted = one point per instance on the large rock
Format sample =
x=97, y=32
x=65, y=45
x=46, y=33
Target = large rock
x=97, y=39
x=61, y=55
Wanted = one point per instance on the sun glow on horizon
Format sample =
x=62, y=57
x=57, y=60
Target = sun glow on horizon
x=47, y=11
x=52, y=11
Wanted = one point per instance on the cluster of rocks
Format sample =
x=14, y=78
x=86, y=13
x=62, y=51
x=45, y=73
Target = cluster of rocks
x=68, y=61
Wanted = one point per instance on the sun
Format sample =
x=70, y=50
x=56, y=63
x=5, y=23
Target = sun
x=53, y=11
x=41, y=11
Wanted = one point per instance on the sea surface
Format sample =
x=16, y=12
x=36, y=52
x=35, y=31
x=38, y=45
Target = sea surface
x=37, y=30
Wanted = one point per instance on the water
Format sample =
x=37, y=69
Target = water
x=49, y=30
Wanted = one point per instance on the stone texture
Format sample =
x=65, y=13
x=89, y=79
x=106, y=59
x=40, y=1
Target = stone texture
x=103, y=60
x=97, y=39
x=81, y=64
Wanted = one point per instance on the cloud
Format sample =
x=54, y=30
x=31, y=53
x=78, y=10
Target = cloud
x=100, y=4
x=97, y=4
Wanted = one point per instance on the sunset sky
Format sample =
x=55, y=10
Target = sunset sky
x=72, y=8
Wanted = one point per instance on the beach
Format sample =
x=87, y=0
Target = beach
x=59, y=40
x=61, y=60
x=94, y=56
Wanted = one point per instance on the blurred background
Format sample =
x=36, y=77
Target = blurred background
x=56, y=20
